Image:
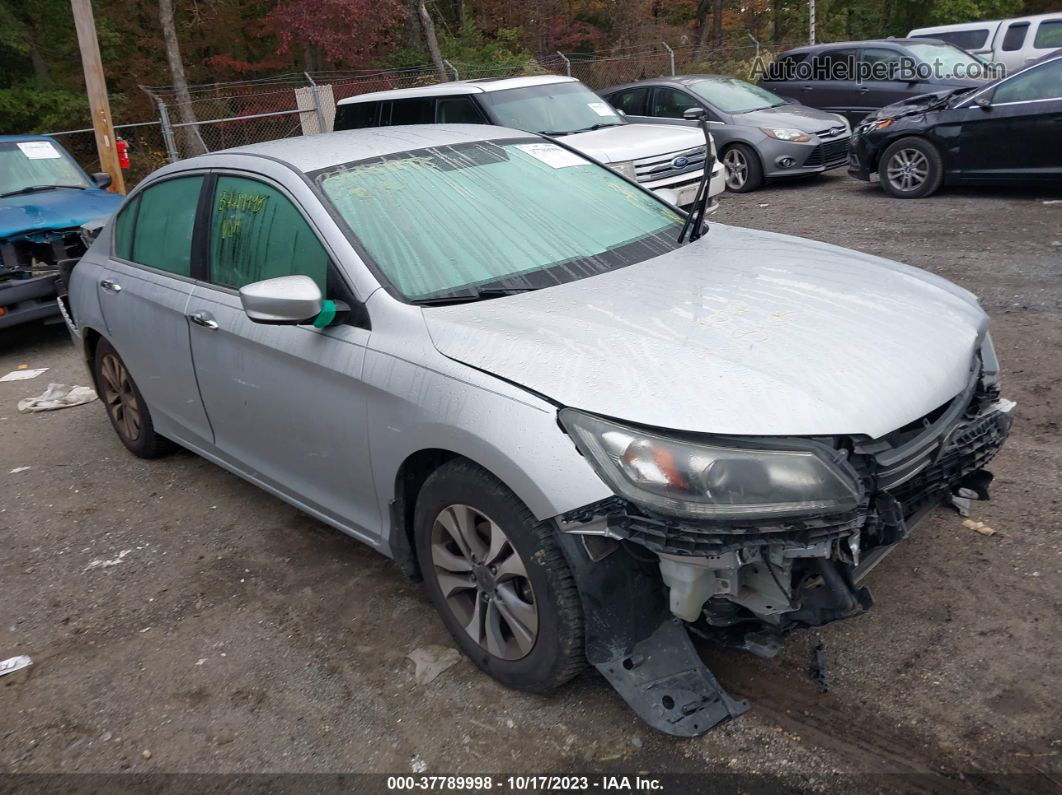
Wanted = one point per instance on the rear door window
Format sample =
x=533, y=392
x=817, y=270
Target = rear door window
x=1015, y=36
x=785, y=67
x=357, y=115
x=413, y=111
x=257, y=233
x=834, y=65
x=670, y=103
x=457, y=110
x=631, y=101
x=156, y=229
x=1048, y=35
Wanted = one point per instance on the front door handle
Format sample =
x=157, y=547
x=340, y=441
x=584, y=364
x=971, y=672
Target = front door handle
x=204, y=319
x=864, y=90
x=111, y=286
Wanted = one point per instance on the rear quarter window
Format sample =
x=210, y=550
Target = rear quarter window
x=965, y=39
x=357, y=115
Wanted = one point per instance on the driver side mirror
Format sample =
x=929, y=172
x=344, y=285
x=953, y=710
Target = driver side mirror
x=984, y=103
x=693, y=114
x=286, y=300
x=102, y=180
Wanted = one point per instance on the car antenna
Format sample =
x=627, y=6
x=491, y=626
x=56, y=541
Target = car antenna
x=695, y=217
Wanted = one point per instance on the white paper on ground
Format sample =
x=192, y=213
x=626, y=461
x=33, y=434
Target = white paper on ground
x=39, y=150
x=57, y=396
x=23, y=375
x=552, y=155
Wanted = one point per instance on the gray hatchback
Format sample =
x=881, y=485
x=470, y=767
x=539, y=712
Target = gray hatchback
x=505, y=367
x=758, y=135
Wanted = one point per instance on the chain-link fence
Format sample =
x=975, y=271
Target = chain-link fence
x=224, y=115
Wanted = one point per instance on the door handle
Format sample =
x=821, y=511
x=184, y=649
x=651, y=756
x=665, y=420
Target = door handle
x=864, y=90
x=204, y=319
x=111, y=286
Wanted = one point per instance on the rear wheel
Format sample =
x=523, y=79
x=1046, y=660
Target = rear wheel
x=911, y=168
x=744, y=172
x=125, y=405
x=498, y=580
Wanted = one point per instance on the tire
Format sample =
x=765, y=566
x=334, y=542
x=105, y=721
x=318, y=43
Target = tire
x=911, y=168
x=491, y=595
x=126, y=408
x=744, y=172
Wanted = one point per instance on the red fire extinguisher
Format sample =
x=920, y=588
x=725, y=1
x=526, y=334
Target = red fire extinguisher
x=123, y=153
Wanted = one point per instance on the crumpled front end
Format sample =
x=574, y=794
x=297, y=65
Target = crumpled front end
x=30, y=272
x=746, y=583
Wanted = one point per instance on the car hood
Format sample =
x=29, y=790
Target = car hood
x=634, y=141
x=913, y=106
x=742, y=332
x=798, y=117
x=54, y=209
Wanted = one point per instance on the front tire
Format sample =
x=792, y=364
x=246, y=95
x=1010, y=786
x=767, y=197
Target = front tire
x=126, y=409
x=744, y=172
x=911, y=168
x=498, y=579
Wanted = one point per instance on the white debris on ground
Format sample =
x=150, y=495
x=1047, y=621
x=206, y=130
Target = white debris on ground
x=430, y=661
x=16, y=470
x=57, y=396
x=23, y=374
x=12, y=664
x=417, y=765
x=104, y=564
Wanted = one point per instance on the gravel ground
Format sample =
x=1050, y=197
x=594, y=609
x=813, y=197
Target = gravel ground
x=181, y=620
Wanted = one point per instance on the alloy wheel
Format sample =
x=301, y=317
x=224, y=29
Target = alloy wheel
x=119, y=397
x=484, y=581
x=907, y=170
x=737, y=169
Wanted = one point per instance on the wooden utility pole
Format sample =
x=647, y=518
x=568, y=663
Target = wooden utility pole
x=96, y=88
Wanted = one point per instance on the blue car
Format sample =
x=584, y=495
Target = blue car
x=45, y=197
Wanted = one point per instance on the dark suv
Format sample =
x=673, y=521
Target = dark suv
x=854, y=78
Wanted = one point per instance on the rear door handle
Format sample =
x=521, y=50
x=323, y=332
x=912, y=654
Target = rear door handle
x=111, y=286
x=864, y=90
x=204, y=319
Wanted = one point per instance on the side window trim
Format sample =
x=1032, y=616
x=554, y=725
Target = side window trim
x=359, y=315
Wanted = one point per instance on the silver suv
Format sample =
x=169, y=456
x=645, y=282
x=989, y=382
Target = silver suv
x=493, y=361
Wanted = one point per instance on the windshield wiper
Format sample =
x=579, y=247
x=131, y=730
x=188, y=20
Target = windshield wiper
x=470, y=295
x=591, y=128
x=38, y=188
x=694, y=222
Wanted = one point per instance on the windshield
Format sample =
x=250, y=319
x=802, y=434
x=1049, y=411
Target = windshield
x=947, y=61
x=37, y=164
x=552, y=109
x=522, y=215
x=731, y=95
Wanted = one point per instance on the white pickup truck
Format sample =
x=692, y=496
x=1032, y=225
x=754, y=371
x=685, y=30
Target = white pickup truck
x=667, y=160
x=1015, y=43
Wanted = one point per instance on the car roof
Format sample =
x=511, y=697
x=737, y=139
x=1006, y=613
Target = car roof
x=7, y=139
x=308, y=153
x=843, y=44
x=668, y=80
x=484, y=85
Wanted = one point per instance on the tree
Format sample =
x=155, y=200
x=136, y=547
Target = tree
x=193, y=142
x=427, y=28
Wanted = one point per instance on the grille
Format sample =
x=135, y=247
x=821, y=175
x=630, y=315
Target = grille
x=831, y=153
x=651, y=169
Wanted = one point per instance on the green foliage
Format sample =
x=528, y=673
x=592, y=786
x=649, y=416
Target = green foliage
x=39, y=105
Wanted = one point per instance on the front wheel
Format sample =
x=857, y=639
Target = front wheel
x=498, y=579
x=744, y=172
x=911, y=168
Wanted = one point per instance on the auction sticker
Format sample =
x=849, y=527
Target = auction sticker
x=601, y=108
x=39, y=150
x=552, y=155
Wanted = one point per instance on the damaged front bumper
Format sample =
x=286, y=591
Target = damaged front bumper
x=746, y=584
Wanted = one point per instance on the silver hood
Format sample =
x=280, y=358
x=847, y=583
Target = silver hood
x=742, y=332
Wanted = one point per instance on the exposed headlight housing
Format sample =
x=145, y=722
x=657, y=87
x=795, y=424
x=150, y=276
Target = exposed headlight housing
x=876, y=124
x=722, y=479
x=785, y=134
x=624, y=167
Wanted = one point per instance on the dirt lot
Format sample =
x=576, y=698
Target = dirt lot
x=234, y=634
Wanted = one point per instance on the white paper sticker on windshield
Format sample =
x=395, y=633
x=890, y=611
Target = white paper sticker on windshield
x=39, y=150
x=601, y=108
x=552, y=155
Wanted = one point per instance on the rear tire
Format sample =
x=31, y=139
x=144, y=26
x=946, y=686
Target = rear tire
x=744, y=172
x=498, y=579
x=125, y=405
x=911, y=168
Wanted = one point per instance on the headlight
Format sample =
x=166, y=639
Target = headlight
x=625, y=167
x=876, y=124
x=720, y=480
x=796, y=136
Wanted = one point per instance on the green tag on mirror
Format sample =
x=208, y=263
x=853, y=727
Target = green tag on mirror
x=326, y=316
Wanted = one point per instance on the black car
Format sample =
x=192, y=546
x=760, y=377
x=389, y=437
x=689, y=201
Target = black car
x=1008, y=131
x=855, y=78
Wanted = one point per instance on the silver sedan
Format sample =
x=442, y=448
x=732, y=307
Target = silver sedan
x=510, y=370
